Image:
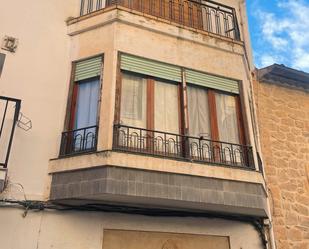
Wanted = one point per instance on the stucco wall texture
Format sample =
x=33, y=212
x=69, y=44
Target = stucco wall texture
x=283, y=115
x=86, y=230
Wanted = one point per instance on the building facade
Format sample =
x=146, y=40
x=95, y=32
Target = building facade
x=282, y=99
x=136, y=127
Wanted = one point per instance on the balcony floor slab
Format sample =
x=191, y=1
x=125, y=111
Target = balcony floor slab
x=135, y=187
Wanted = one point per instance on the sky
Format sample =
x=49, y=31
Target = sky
x=280, y=32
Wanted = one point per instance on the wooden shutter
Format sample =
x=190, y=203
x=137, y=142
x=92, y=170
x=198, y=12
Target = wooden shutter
x=211, y=81
x=151, y=68
x=88, y=68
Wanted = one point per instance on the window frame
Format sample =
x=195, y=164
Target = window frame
x=214, y=115
x=150, y=99
x=184, y=121
x=69, y=121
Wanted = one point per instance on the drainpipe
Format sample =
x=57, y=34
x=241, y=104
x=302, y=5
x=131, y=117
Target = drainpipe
x=242, y=13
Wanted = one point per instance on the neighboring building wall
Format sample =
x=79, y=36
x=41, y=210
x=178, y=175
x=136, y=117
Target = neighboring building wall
x=283, y=116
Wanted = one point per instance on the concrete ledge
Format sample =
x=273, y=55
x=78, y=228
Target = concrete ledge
x=145, y=162
x=159, y=189
x=148, y=22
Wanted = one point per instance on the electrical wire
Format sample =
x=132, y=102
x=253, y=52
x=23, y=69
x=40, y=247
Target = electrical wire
x=154, y=212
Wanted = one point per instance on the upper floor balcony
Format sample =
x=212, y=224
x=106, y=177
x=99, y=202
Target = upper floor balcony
x=203, y=15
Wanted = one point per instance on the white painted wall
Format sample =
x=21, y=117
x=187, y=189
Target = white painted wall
x=80, y=230
x=38, y=73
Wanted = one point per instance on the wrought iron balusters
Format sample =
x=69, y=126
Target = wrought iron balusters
x=204, y=15
x=79, y=141
x=157, y=143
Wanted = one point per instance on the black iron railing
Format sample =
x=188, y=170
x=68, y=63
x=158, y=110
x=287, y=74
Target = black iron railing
x=204, y=15
x=150, y=142
x=79, y=141
x=9, y=113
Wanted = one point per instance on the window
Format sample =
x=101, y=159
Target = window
x=83, y=114
x=86, y=108
x=215, y=116
x=227, y=118
x=216, y=120
x=199, y=121
x=147, y=105
x=133, y=101
x=198, y=110
x=166, y=110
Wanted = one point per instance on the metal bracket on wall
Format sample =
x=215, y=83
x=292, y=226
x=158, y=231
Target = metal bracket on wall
x=10, y=44
x=24, y=122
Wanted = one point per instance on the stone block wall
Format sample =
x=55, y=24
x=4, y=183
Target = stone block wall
x=283, y=117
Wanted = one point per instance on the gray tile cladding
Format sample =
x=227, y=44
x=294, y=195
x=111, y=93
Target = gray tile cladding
x=163, y=186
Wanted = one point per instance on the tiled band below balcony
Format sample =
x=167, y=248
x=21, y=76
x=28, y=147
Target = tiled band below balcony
x=135, y=187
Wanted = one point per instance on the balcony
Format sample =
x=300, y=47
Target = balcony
x=79, y=141
x=194, y=149
x=161, y=144
x=204, y=15
x=135, y=173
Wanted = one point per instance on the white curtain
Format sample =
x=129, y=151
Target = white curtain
x=199, y=122
x=227, y=118
x=167, y=116
x=228, y=127
x=133, y=111
x=133, y=101
x=103, y=3
x=198, y=109
x=87, y=104
x=86, y=114
x=166, y=107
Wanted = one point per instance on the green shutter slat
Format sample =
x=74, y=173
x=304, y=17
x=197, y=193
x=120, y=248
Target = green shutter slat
x=169, y=72
x=211, y=81
x=149, y=67
x=88, y=68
